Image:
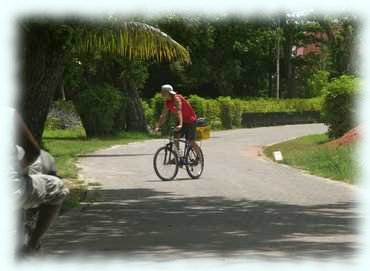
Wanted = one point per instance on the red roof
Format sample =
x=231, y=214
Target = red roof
x=310, y=48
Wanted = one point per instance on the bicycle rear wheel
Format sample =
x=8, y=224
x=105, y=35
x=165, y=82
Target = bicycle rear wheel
x=165, y=163
x=194, y=163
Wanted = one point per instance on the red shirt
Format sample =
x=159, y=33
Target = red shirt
x=188, y=114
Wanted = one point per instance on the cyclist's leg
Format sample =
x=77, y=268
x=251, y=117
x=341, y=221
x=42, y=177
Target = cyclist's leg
x=177, y=136
x=195, y=146
x=190, y=132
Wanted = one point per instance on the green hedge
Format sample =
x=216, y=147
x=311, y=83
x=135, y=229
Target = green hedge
x=339, y=105
x=226, y=113
x=154, y=111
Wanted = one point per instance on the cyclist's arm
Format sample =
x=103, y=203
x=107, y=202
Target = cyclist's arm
x=178, y=110
x=162, y=118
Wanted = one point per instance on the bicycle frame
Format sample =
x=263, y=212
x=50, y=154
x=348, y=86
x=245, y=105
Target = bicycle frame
x=174, y=140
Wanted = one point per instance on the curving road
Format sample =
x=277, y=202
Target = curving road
x=243, y=207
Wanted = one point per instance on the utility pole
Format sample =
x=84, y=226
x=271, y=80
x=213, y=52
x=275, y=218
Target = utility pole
x=278, y=62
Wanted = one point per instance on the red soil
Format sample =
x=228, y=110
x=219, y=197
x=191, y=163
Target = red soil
x=351, y=136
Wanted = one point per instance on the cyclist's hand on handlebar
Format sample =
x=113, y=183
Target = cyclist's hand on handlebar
x=178, y=128
x=156, y=129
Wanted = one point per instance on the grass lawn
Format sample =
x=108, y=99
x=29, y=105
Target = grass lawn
x=65, y=145
x=312, y=154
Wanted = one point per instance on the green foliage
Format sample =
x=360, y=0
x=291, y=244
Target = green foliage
x=131, y=40
x=212, y=113
x=149, y=113
x=74, y=75
x=156, y=103
x=97, y=107
x=230, y=112
x=120, y=117
x=226, y=113
x=237, y=113
x=221, y=52
x=198, y=104
x=282, y=105
x=339, y=105
x=130, y=72
x=317, y=84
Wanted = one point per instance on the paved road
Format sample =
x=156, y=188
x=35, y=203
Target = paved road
x=243, y=206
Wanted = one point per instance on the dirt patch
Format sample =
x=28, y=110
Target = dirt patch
x=351, y=136
x=253, y=151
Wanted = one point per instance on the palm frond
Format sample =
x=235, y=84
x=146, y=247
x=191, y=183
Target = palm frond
x=132, y=40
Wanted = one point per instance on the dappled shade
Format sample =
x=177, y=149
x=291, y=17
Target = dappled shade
x=144, y=222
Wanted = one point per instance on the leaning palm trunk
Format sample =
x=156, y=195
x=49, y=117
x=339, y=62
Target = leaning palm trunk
x=41, y=74
x=135, y=117
x=46, y=43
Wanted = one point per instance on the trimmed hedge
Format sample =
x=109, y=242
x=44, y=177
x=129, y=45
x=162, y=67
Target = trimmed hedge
x=226, y=113
x=250, y=120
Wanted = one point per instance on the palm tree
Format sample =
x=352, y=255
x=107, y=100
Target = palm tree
x=46, y=44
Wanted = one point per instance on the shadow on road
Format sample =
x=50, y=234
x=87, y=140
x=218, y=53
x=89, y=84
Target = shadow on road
x=115, y=155
x=146, y=221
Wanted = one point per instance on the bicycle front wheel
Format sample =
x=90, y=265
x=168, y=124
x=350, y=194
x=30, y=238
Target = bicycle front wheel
x=194, y=163
x=165, y=163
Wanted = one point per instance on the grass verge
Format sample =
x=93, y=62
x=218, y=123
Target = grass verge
x=66, y=145
x=311, y=153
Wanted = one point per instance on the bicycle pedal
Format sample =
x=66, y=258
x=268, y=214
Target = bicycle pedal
x=182, y=162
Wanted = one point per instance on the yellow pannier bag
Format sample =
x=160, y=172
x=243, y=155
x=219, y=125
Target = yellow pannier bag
x=203, y=133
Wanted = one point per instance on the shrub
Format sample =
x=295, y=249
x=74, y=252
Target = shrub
x=236, y=113
x=97, y=107
x=317, y=84
x=212, y=113
x=339, y=105
x=198, y=104
x=156, y=103
x=149, y=113
x=282, y=105
x=226, y=111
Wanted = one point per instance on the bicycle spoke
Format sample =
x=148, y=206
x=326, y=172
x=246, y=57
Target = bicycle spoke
x=165, y=163
x=195, y=163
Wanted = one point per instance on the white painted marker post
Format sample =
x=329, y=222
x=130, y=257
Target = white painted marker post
x=278, y=156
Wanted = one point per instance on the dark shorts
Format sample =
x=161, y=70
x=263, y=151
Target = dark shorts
x=188, y=131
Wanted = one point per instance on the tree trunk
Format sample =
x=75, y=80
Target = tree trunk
x=136, y=120
x=41, y=74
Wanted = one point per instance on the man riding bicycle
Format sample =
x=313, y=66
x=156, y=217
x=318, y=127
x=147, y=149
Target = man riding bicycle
x=177, y=104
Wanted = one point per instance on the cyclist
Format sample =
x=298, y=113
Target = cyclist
x=186, y=117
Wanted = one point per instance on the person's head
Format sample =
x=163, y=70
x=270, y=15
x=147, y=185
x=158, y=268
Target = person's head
x=167, y=92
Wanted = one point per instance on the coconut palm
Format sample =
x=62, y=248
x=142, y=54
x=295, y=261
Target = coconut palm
x=46, y=44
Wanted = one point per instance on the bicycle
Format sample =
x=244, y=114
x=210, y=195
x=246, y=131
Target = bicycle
x=167, y=163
